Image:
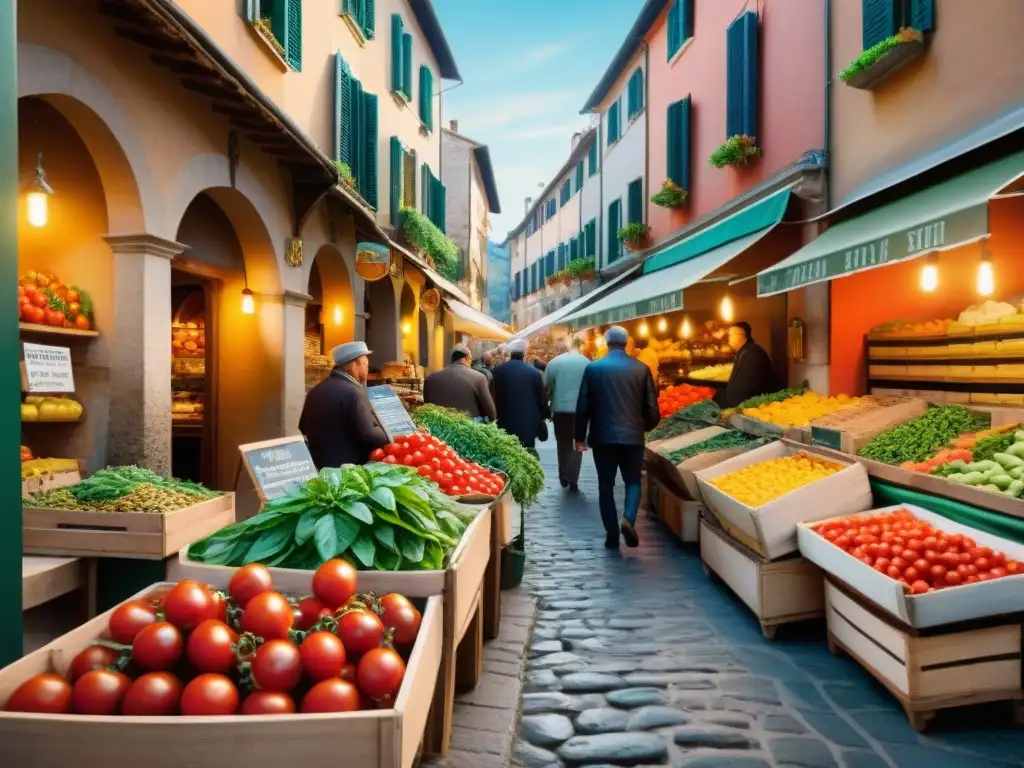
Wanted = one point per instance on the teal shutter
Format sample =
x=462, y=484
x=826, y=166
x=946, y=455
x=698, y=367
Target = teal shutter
x=427, y=97
x=675, y=41
x=635, y=201
x=742, y=76
x=635, y=93
x=396, y=180
x=519, y=284
x=614, y=223
x=549, y=267
x=579, y=175
x=590, y=244
x=613, y=121
x=922, y=15
x=357, y=131
x=878, y=21
x=751, y=73
x=574, y=248
x=592, y=159
x=368, y=173
x=683, y=149
x=343, y=138
x=293, y=38
x=407, y=66
x=438, y=203
x=252, y=10
x=734, y=80
x=397, y=29
x=369, y=20
x=685, y=22
x=411, y=179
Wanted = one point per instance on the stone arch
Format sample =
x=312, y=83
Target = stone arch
x=382, y=331
x=410, y=320
x=330, y=286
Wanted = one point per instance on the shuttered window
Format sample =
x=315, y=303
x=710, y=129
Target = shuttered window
x=883, y=18
x=549, y=265
x=408, y=178
x=566, y=192
x=635, y=93
x=368, y=178
x=614, y=224
x=407, y=66
x=680, y=25
x=614, y=120
x=285, y=17
x=579, y=175
x=592, y=157
x=363, y=13
x=397, y=155
x=427, y=97
x=742, y=76
x=355, y=130
x=678, y=149
x=519, y=285
x=590, y=240
x=574, y=248
x=397, y=68
x=635, y=202
x=438, y=203
x=534, y=272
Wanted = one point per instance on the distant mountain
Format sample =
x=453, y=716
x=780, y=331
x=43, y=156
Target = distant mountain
x=499, y=282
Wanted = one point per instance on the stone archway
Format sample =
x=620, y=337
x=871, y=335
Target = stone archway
x=330, y=286
x=382, y=325
x=410, y=322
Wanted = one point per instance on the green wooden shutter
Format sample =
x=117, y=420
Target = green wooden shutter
x=675, y=41
x=672, y=147
x=427, y=97
x=613, y=121
x=683, y=150
x=878, y=21
x=357, y=132
x=685, y=19
x=614, y=223
x=574, y=248
x=635, y=202
x=590, y=244
x=922, y=15
x=438, y=203
x=252, y=10
x=293, y=39
x=592, y=159
x=397, y=29
x=519, y=284
x=368, y=175
x=579, y=175
x=407, y=66
x=369, y=19
x=751, y=73
x=396, y=180
x=734, y=77
x=343, y=139
x=635, y=93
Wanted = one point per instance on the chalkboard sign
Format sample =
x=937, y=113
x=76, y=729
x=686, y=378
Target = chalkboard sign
x=277, y=465
x=390, y=411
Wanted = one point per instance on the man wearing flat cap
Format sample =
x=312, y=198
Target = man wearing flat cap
x=337, y=419
x=461, y=387
x=619, y=403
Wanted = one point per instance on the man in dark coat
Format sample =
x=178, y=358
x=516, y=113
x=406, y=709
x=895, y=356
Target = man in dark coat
x=337, y=419
x=460, y=387
x=752, y=371
x=619, y=402
x=519, y=397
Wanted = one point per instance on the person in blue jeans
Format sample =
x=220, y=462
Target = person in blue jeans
x=618, y=402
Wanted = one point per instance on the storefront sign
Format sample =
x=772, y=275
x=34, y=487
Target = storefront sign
x=277, y=465
x=390, y=411
x=430, y=300
x=656, y=305
x=373, y=261
x=48, y=369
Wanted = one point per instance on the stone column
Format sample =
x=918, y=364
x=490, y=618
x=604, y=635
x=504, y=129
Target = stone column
x=140, y=351
x=293, y=392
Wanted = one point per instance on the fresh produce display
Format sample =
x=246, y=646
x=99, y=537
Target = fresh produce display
x=188, y=339
x=697, y=416
x=1003, y=473
x=712, y=372
x=124, y=489
x=44, y=300
x=679, y=396
x=39, y=467
x=191, y=650
x=39, y=408
x=915, y=553
x=912, y=328
x=488, y=445
x=384, y=517
x=774, y=397
x=733, y=438
x=985, y=445
x=799, y=410
x=435, y=461
x=989, y=313
x=758, y=484
x=944, y=456
x=708, y=342
x=921, y=438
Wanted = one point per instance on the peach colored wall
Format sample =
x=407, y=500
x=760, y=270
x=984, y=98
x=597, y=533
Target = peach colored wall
x=971, y=72
x=791, y=101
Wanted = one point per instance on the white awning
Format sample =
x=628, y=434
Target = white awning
x=476, y=323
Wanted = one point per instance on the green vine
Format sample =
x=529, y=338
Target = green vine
x=345, y=173
x=870, y=57
x=578, y=267
x=423, y=234
x=671, y=195
x=739, y=150
x=633, y=233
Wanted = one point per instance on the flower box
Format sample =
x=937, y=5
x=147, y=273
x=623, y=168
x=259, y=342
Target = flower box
x=883, y=59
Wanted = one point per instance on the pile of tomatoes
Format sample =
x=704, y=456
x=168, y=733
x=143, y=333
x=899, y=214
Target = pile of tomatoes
x=671, y=399
x=915, y=553
x=44, y=300
x=188, y=649
x=437, y=462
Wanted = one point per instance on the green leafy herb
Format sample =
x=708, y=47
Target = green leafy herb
x=921, y=438
x=871, y=56
x=987, y=447
x=731, y=439
x=693, y=417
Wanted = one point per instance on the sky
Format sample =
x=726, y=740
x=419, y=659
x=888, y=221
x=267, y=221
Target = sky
x=528, y=67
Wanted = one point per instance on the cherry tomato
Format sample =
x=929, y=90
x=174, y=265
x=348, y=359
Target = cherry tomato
x=267, y=703
x=401, y=614
x=99, y=692
x=911, y=574
x=248, y=581
x=157, y=647
x=982, y=563
x=334, y=695
x=187, y=605
x=360, y=631
x=277, y=667
x=425, y=470
x=417, y=458
x=323, y=656
x=921, y=565
x=998, y=572
x=209, y=694
x=348, y=672
x=334, y=582
x=919, y=587
x=953, y=578
x=128, y=619
x=268, y=615
x=218, y=606
x=392, y=449
x=46, y=694
x=311, y=610
x=407, y=460
x=93, y=657
x=390, y=460
x=380, y=672
x=210, y=647
x=153, y=694
x=377, y=454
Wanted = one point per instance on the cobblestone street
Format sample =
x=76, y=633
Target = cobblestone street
x=638, y=659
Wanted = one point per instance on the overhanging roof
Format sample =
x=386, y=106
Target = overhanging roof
x=476, y=323
x=431, y=26
x=483, y=161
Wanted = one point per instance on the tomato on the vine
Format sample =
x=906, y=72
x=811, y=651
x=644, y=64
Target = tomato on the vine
x=310, y=611
x=153, y=694
x=323, y=656
x=334, y=695
x=93, y=657
x=99, y=692
x=334, y=582
x=46, y=694
x=187, y=605
x=377, y=454
x=209, y=694
x=128, y=619
x=380, y=672
x=360, y=631
x=211, y=647
x=268, y=615
x=218, y=606
x=157, y=647
x=248, y=581
x=400, y=613
x=268, y=703
x=277, y=666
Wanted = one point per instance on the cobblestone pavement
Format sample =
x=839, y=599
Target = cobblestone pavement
x=638, y=659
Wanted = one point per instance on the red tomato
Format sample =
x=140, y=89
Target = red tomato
x=919, y=587
x=209, y=694
x=998, y=572
x=348, y=672
x=982, y=563
x=1012, y=566
x=425, y=470
x=99, y=692
x=153, y=694
x=360, y=631
x=218, y=606
x=392, y=449
x=911, y=574
x=157, y=647
x=455, y=490
x=377, y=454
x=407, y=460
x=277, y=667
x=187, y=605
x=248, y=581
x=418, y=458
x=390, y=460
x=335, y=582
x=128, y=619
x=380, y=673
x=922, y=565
x=323, y=656
x=311, y=610
x=334, y=695
x=93, y=657
x=46, y=694
x=267, y=703
x=938, y=574
x=211, y=647
x=448, y=465
x=400, y=613
x=953, y=578
x=268, y=615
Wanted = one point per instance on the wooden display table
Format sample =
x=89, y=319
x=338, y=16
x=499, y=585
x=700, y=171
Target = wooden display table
x=46, y=578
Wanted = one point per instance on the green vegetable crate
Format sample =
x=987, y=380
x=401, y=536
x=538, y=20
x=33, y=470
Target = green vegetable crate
x=461, y=586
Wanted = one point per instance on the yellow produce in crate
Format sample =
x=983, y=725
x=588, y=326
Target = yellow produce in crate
x=39, y=467
x=758, y=484
x=712, y=372
x=800, y=410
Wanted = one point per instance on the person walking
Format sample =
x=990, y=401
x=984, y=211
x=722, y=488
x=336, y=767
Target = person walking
x=461, y=387
x=562, y=378
x=519, y=397
x=618, y=402
x=337, y=419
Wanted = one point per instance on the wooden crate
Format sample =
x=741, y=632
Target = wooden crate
x=955, y=666
x=141, y=535
x=778, y=592
x=373, y=739
x=682, y=516
x=48, y=482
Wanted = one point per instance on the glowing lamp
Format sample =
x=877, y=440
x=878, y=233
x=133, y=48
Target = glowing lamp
x=726, y=309
x=986, y=277
x=929, y=276
x=248, y=302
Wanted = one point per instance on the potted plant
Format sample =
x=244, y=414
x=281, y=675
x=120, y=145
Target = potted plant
x=635, y=236
x=513, y=556
x=671, y=195
x=739, y=150
x=883, y=58
x=582, y=269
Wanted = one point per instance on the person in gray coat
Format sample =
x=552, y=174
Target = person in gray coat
x=460, y=387
x=563, y=377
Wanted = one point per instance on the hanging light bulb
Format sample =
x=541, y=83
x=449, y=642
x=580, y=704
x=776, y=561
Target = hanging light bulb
x=662, y=325
x=685, y=330
x=986, y=277
x=726, y=310
x=930, y=275
x=337, y=315
x=38, y=199
x=248, y=302
x=643, y=330
x=406, y=328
